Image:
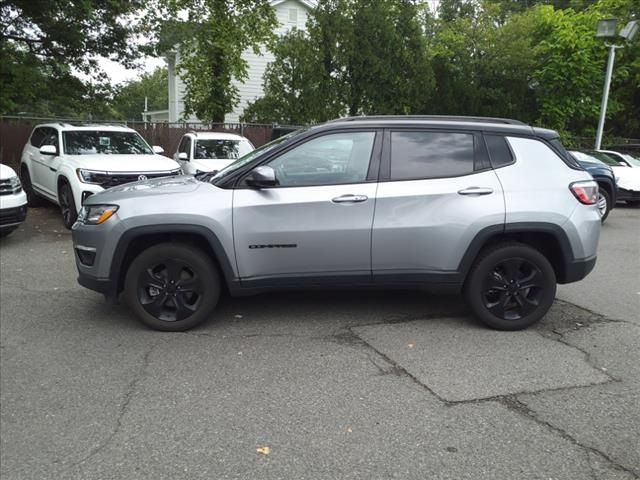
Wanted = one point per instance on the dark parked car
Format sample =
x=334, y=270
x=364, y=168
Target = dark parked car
x=604, y=176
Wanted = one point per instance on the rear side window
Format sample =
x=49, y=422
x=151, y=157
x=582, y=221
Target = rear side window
x=419, y=155
x=499, y=151
x=37, y=136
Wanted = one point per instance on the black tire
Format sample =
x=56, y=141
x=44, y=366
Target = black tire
x=152, y=287
x=604, y=199
x=495, y=287
x=33, y=200
x=67, y=205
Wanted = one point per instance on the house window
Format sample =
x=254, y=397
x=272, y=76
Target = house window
x=293, y=15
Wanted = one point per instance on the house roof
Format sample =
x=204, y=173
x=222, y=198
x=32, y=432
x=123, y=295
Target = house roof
x=306, y=3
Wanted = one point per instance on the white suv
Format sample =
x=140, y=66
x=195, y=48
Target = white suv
x=208, y=151
x=67, y=163
x=13, y=201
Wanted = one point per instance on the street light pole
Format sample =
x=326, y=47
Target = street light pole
x=605, y=94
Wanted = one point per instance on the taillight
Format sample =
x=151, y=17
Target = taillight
x=585, y=192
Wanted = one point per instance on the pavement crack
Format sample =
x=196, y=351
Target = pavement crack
x=123, y=408
x=514, y=404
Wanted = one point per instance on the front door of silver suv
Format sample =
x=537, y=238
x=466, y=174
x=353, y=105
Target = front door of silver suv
x=316, y=223
x=437, y=191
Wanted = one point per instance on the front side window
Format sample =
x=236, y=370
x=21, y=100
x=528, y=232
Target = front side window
x=50, y=137
x=185, y=146
x=333, y=159
x=423, y=155
x=37, y=136
x=207, y=149
x=92, y=142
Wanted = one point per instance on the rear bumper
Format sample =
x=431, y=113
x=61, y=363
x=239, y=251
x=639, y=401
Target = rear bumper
x=578, y=269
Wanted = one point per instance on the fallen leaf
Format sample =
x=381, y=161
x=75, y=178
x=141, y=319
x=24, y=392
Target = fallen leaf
x=263, y=450
x=411, y=345
x=349, y=429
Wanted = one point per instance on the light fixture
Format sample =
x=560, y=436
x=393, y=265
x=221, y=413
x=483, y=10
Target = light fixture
x=630, y=30
x=606, y=28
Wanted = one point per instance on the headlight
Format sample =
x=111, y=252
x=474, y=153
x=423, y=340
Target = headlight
x=15, y=184
x=90, y=176
x=96, y=214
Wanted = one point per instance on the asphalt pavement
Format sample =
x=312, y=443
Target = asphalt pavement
x=335, y=385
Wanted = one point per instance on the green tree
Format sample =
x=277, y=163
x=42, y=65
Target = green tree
x=211, y=36
x=43, y=42
x=129, y=99
x=359, y=57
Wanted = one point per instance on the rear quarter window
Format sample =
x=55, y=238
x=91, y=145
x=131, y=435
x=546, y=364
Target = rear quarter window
x=499, y=151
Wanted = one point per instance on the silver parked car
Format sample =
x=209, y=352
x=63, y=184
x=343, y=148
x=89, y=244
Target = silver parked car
x=491, y=207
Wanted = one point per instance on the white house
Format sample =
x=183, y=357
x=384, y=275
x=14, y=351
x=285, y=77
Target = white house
x=290, y=14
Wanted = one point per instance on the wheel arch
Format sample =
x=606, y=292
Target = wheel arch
x=137, y=239
x=547, y=238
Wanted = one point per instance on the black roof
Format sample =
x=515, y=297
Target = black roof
x=485, y=124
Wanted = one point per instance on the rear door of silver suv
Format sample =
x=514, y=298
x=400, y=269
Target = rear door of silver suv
x=437, y=191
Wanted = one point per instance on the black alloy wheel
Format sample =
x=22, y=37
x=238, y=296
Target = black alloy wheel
x=513, y=289
x=511, y=286
x=170, y=290
x=67, y=206
x=172, y=286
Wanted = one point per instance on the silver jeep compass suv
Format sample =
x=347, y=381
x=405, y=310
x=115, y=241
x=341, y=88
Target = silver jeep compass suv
x=491, y=207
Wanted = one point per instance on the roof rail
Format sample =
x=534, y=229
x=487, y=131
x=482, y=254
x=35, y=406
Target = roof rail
x=443, y=118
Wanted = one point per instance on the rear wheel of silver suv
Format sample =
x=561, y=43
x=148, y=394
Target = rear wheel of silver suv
x=511, y=286
x=172, y=287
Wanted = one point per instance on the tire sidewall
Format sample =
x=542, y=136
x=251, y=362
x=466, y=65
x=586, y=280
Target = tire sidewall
x=478, y=274
x=197, y=260
x=607, y=198
x=72, y=205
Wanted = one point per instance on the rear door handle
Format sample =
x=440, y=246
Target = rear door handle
x=350, y=199
x=476, y=191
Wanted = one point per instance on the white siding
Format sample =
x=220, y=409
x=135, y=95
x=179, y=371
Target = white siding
x=253, y=86
x=290, y=14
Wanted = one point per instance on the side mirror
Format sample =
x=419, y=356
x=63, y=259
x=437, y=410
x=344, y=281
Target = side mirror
x=183, y=156
x=623, y=164
x=262, y=177
x=157, y=149
x=48, y=150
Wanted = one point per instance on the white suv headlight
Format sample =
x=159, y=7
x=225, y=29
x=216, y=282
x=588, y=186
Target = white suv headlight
x=90, y=176
x=15, y=184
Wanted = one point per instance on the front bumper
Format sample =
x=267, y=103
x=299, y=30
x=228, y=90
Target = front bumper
x=628, y=195
x=101, y=285
x=12, y=217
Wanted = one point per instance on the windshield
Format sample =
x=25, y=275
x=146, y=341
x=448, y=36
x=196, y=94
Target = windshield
x=226, y=149
x=253, y=155
x=93, y=142
x=631, y=159
x=604, y=158
x=585, y=157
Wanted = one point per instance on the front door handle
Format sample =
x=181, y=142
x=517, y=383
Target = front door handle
x=476, y=191
x=350, y=199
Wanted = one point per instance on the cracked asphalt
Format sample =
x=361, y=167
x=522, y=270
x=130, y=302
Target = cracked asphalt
x=357, y=385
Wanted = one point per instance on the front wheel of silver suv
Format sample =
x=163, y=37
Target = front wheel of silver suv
x=172, y=287
x=511, y=286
